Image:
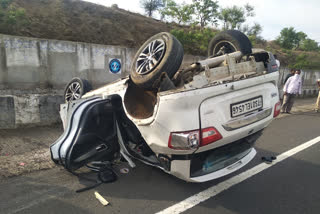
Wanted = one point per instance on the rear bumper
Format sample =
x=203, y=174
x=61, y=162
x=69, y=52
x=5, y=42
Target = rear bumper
x=215, y=163
x=227, y=170
x=181, y=169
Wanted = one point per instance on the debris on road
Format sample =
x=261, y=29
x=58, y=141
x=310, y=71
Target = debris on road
x=268, y=159
x=124, y=170
x=103, y=201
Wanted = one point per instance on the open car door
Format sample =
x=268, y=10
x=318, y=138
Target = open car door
x=90, y=135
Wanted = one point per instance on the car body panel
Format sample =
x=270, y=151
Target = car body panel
x=194, y=107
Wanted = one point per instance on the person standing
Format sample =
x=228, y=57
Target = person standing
x=292, y=87
x=318, y=100
x=292, y=72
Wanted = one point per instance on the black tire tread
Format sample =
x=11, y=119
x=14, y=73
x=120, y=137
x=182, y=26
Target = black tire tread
x=170, y=62
x=237, y=38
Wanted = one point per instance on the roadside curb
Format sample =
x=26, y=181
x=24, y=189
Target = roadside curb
x=301, y=106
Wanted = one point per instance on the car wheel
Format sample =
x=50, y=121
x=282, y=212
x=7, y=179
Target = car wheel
x=229, y=41
x=161, y=53
x=76, y=88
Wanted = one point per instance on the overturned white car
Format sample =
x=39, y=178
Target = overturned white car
x=197, y=123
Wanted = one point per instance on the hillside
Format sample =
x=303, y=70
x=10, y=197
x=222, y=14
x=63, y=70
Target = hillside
x=76, y=20
x=295, y=58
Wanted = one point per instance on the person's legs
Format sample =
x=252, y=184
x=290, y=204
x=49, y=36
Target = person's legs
x=285, y=103
x=290, y=103
x=318, y=103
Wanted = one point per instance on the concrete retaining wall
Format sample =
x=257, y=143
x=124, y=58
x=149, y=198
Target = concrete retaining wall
x=29, y=63
x=29, y=110
x=34, y=72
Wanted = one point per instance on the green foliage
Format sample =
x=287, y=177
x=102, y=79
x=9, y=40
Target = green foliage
x=300, y=37
x=151, y=6
x=301, y=61
x=11, y=17
x=200, y=12
x=290, y=39
x=5, y=3
x=287, y=38
x=233, y=17
x=310, y=45
x=194, y=41
x=249, y=10
x=182, y=13
x=14, y=15
x=253, y=39
x=255, y=30
x=206, y=11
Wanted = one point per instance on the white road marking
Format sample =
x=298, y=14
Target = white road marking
x=215, y=190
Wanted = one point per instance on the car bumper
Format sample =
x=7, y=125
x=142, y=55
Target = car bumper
x=215, y=163
x=181, y=169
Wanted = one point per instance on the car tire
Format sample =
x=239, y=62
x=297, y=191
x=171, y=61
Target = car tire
x=76, y=88
x=229, y=41
x=160, y=53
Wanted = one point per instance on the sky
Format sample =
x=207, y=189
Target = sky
x=273, y=15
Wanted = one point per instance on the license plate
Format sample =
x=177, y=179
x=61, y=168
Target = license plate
x=246, y=106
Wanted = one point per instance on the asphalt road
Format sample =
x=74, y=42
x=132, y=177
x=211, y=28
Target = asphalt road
x=290, y=186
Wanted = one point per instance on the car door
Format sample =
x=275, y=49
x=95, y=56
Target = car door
x=91, y=137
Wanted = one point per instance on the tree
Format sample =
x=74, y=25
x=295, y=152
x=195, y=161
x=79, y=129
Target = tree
x=300, y=37
x=151, y=6
x=287, y=38
x=206, y=11
x=234, y=17
x=310, y=45
x=290, y=39
x=301, y=61
x=253, y=33
x=255, y=30
x=11, y=17
x=224, y=16
x=249, y=9
x=182, y=13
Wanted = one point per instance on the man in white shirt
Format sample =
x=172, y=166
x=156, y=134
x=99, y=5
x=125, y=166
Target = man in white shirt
x=292, y=87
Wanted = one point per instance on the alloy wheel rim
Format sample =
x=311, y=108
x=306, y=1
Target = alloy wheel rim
x=150, y=57
x=224, y=47
x=73, y=92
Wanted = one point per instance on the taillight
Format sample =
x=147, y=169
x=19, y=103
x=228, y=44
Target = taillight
x=277, y=109
x=209, y=135
x=184, y=140
x=191, y=139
